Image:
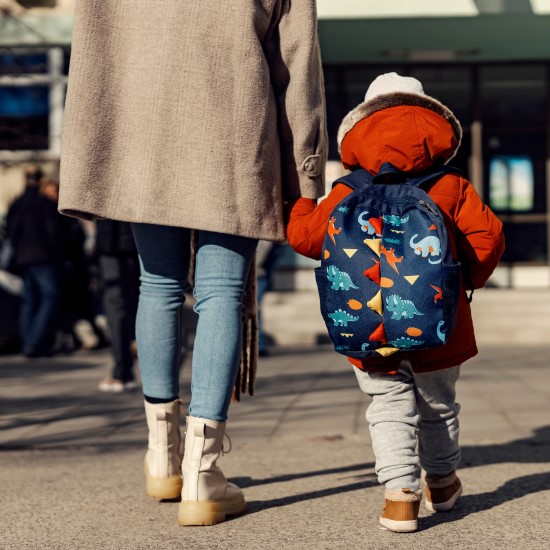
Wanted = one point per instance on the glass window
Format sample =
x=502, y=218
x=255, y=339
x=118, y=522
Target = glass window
x=525, y=242
x=450, y=85
x=515, y=174
x=511, y=183
x=24, y=110
x=345, y=88
x=24, y=117
x=19, y=62
x=358, y=79
x=513, y=95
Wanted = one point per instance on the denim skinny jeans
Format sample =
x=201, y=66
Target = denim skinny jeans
x=222, y=266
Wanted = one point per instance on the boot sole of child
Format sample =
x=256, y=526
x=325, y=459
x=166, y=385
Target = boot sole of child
x=443, y=506
x=209, y=512
x=163, y=487
x=398, y=526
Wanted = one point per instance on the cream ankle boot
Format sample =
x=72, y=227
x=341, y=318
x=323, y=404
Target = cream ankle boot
x=163, y=457
x=207, y=497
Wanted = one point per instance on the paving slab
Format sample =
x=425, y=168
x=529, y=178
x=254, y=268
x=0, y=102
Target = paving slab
x=71, y=459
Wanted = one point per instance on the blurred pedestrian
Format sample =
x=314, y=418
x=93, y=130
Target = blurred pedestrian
x=34, y=228
x=119, y=273
x=212, y=139
x=268, y=256
x=413, y=392
x=76, y=314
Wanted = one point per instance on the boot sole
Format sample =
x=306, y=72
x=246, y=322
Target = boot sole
x=209, y=512
x=398, y=526
x=443, y=506
x=164, y=487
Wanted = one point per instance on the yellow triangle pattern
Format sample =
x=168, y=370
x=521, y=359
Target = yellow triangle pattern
x=350, y=251
x=374, y=245
x=375, y=303
x=411, y=278
x=346, y=335
x=384, y=352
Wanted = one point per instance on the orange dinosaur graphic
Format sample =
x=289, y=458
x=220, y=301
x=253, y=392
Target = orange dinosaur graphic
x=332, y=230
x=439, y=295
x=391, y=258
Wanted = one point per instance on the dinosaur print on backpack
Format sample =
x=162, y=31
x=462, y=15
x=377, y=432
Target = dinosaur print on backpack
x=387, y=281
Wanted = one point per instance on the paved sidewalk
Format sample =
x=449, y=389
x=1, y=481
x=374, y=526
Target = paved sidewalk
x=71, y=459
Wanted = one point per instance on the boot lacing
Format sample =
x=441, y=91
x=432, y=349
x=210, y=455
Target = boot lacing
x=224, y=452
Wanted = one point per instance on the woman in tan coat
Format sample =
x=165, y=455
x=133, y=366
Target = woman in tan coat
x=193, y=115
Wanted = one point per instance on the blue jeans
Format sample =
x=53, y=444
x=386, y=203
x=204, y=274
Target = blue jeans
x=221, y=271
x=413, y=421
x=41, y=291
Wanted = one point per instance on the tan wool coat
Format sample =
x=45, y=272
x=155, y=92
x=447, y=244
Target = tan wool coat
x=193, y=114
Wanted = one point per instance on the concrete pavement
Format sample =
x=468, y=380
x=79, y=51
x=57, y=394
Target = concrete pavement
x=71, y=458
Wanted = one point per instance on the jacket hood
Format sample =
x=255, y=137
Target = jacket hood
x=409, y=130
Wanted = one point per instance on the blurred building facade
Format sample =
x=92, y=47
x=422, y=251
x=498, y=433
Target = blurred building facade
x=487, y=60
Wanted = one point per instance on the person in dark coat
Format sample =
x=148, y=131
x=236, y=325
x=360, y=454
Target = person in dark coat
x=119, y=273
x=33, y=226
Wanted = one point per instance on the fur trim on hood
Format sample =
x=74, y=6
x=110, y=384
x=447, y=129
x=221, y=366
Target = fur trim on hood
x=396, y=99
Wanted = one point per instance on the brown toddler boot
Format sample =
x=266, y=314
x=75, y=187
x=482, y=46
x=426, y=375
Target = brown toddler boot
x=401, y=511
x=442, y=492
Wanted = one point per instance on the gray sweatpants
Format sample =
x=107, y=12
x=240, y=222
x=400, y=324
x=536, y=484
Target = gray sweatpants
x=411, y=411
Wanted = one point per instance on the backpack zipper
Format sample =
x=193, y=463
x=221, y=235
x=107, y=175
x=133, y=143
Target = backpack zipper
x=428, y=207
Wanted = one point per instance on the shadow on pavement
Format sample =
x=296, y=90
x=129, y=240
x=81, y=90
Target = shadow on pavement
x=15, y=366
x=259, y=505
x=251, y=482
x=472, y=504
x=534, y=449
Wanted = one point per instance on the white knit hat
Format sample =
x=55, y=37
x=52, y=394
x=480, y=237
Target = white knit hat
x=392, y=90
x=391, y=83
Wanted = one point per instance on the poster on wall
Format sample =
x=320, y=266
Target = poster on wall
x=511, y=183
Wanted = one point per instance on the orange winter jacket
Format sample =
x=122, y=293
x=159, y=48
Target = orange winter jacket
x=412, y=138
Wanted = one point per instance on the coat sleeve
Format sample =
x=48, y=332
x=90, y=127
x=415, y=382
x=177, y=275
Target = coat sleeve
x=480, y=240
x=307, y=222
x=292, y=51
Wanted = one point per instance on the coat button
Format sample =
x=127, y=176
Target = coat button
x=308, y=166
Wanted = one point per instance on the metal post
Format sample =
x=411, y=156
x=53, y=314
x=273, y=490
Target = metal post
x=57, y=99
x=476, y=129
x=547, y=163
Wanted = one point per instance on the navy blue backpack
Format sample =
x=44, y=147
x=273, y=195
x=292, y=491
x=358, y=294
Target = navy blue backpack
x=387, y=281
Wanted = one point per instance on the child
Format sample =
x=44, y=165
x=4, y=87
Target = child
x=413, y=393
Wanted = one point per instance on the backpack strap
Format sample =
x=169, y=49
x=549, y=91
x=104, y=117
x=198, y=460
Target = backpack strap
x=388, y=173
x=356, y=180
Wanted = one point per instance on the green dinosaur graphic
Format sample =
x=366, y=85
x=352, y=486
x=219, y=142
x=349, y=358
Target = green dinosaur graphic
x=340, y=279
x=405, y=342
x=401, y=308
x=341, y=318
x=394, y=220
x=341, y=348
